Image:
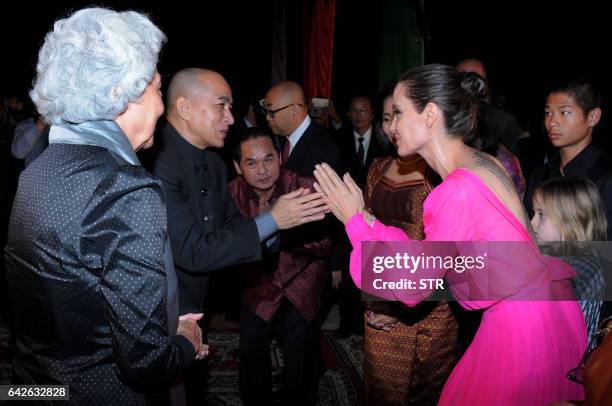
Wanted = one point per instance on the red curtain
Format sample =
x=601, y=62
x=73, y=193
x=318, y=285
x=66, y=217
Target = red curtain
x=319, y=48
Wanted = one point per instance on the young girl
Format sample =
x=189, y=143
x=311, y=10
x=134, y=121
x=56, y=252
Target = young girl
x=571, y=210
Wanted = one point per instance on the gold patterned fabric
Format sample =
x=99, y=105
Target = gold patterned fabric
x=409, y=364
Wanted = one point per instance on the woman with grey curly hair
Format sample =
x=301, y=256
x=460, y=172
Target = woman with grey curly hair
x=88, y=261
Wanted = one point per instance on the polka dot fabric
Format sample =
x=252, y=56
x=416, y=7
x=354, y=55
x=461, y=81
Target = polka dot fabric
x=85, y=264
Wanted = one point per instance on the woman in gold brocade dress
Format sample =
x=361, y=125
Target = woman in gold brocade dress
x=408, y=352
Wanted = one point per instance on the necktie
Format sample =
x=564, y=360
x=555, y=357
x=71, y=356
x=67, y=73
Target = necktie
x=285, y=153
x=360, y=152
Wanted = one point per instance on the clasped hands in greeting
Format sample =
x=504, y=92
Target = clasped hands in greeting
x=342, y=196
x=298, y=207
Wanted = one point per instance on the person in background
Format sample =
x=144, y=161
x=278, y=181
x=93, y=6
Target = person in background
x=30, y=139
x=358, y=144
x=488, y=140
x=247, y=113
x=323, y=112
x=504, y=121
x=531, y=153
x=408, y=353
x=304, y=143
x=358, y=147
x=571, y=113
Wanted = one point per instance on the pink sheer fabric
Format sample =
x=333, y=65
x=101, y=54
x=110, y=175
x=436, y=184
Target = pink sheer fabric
x=523, y=349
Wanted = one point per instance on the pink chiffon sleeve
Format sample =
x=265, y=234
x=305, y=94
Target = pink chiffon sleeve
x=447, y=217
x=358, y=230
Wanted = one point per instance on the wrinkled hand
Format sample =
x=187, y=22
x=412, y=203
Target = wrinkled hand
x=336, y=279
x=343, y=198
x=188, y=328
x=380, y=321
x=298, y=207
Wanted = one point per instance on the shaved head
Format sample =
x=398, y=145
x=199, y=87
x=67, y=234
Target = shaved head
x=286, y=100
x=190, y=83
x=472, y=65
x=199, y=107
x=288, y=92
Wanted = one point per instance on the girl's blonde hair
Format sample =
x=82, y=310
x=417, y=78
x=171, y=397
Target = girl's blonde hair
x=575, y=207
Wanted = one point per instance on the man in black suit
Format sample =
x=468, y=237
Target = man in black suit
x=358, y=145
x=358, y=149
x=205, y=227
x=306, y=144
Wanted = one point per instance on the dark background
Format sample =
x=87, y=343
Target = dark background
x=525, y=45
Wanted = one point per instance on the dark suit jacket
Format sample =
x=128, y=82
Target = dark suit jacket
x=348, y=154
x=591, y=163
x=85, y=262
x=314, y=147
x=507, y=126
x=298, y=271
x=206, y=229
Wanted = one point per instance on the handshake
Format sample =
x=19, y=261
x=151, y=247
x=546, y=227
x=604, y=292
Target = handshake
x=188, y=328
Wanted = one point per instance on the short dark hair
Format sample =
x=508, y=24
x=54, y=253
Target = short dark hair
x=361, y=96
x=250, y=134
x=582, y=90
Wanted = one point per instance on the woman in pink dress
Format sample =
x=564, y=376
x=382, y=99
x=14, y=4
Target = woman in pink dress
x=524, y=347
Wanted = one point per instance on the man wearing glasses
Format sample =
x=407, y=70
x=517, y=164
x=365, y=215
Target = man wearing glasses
x=358, y=149
x=358, y=145
x=307, y=143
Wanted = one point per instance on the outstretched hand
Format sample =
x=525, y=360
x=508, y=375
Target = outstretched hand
x=343, y=197
x=298, y=207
